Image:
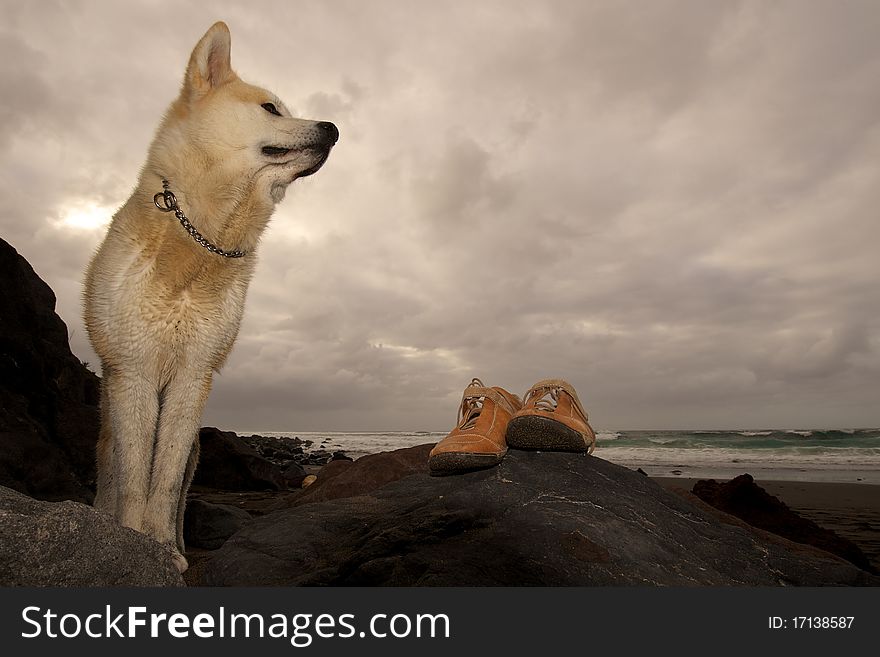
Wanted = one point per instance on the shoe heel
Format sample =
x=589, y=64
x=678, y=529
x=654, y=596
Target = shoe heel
x=455, y=462
x=536, y=432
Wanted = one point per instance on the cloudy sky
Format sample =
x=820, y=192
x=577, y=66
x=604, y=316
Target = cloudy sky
x=675, y=205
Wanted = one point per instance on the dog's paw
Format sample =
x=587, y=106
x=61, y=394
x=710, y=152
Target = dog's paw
x=179, y=560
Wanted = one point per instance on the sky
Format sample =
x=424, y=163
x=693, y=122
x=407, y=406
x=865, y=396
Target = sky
x=673, y=205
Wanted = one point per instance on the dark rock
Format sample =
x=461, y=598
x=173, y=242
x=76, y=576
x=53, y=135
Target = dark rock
x=318, y=457
x=208, y=525
x=340, y=456
x=49, y=416
x=226, y=462
x=278, y=450
x=70, y=544
x=342, y=478
x=537, y=519
x=275, y=462
x=642, y=472
x=743, y=498
x=293, y=475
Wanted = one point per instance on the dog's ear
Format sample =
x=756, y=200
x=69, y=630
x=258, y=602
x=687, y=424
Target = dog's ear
x=209, y=64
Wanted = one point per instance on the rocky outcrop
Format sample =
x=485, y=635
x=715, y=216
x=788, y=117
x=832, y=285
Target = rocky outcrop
x=743, y=498
x=537, y=519
x=48, y=399
x=71, y=544
x=345, y=478
x=227, y=462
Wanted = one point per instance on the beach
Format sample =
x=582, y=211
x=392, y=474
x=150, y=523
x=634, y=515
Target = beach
x=850, y=510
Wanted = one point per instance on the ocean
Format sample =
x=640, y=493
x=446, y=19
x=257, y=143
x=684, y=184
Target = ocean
x=840, y=455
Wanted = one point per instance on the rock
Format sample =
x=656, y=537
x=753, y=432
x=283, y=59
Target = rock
x=537, y=519
x=318, y=457
x=228, y=463
x=308, y=481
x=341, y=478
x=743, y=498
x=293, y=475
x=278, y=450
x=232, y=462
x=208, y=525
x=48, y=400
x=70, y=544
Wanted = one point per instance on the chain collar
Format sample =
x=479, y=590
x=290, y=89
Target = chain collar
x=167, y=202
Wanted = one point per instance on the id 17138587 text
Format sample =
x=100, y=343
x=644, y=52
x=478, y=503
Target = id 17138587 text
x=810, y=622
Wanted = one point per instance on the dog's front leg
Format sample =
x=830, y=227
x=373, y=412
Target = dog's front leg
x=132, y=408
x=191, y=464
x=105, y=486
x=182, y=405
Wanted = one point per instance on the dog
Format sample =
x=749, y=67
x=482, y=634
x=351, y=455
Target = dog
x=164, y=294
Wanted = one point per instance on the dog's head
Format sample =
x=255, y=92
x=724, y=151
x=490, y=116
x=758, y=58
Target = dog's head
x=243, y=127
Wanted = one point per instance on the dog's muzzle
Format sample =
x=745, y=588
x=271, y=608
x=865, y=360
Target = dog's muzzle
x=329, y=136
x=329, y=131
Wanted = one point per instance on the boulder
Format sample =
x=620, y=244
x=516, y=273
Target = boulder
x=208, y=525
x=71, y=544
x=226, y=462
x=278, y=450
x=743, y=498
x=48, y=399
x=293, y=475
x=554, y=519
x=344, y=478
x=252, y=463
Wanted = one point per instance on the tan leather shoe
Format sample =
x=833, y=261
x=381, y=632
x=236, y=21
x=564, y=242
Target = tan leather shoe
x=477, y=441
x=553, y=419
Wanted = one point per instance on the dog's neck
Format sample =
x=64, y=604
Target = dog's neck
x=166, y=201
x=228, y=213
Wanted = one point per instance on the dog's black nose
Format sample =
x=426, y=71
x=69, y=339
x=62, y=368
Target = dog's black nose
x=330, y=131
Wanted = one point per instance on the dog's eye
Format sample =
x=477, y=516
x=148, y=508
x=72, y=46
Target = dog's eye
x=269, y=107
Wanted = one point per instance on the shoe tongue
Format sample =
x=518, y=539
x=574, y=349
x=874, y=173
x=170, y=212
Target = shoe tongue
x=548, y=399
x=471, y=418
x=471, y=407
x=474, y=399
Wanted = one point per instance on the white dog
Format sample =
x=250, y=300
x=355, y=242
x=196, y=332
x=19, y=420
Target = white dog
x=165, y=293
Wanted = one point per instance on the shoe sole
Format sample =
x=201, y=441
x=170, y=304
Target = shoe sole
x=455, y=462
x=537, y=432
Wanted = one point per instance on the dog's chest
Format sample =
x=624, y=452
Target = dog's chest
x=206, y=307
x=180, y=304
